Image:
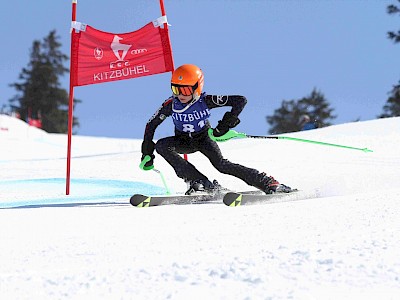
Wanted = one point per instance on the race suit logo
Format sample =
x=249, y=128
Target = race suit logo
x=220, y=100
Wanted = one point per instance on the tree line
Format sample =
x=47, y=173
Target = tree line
x=289, y=117
x=40, y=95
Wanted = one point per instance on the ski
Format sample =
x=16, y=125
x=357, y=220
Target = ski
x=140, y=200
x=237, y=199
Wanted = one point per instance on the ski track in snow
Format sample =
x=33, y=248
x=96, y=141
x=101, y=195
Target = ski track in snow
x=343, y=244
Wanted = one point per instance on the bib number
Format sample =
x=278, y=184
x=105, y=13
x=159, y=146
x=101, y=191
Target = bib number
x=190, y=127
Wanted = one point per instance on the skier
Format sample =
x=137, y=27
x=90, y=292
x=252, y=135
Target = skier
x=306, y=123
x=189, y=108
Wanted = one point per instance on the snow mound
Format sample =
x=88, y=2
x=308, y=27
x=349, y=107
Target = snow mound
x=93, y=244
x=14, y=128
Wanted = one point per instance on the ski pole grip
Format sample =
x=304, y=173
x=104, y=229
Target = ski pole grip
x=144, y=161
x=227, y=136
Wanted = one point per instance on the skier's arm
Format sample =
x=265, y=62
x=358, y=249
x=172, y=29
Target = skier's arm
x=230, y=118
x=159, y=116
x=237, y=102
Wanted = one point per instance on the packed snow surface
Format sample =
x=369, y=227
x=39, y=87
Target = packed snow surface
x=342, y=244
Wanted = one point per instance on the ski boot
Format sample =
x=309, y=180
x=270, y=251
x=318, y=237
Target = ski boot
x=270, y=185
x=202, y=185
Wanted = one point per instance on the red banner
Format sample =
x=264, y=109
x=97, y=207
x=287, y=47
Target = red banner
x=99, y=56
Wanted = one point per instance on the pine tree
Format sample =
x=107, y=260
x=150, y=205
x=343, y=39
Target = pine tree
x=287, y=117
x=39, y=91
x=392, y=106
x=317, y=108
x=391, y=10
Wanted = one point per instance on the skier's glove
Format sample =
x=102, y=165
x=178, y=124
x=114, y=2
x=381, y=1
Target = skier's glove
x=147, y=160
x=228, y=121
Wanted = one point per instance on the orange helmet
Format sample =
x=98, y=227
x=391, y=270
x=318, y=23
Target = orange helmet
x=187, y=80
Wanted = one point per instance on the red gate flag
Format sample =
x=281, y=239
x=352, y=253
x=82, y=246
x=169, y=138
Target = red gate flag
x=99, y=56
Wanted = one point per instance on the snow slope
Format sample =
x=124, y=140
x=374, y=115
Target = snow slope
x=92, y=245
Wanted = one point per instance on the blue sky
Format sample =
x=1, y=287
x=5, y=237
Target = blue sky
x=268, y=51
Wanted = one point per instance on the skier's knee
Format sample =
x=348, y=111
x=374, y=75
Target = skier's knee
x=162, y=146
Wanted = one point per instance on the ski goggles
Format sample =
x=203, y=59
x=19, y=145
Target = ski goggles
x=185, y=90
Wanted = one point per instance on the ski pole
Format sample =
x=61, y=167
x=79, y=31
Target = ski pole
x=144, y=161
x=234, y=134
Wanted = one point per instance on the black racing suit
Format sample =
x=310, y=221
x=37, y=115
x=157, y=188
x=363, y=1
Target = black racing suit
x=182, y=142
